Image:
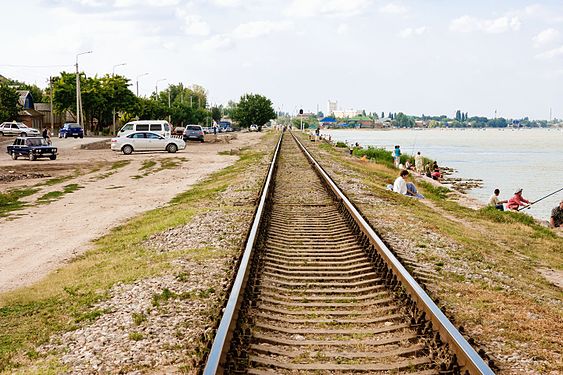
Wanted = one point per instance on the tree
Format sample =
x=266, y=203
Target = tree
x=382, y=114
x=9, y=106
x=458, y=115
x=404, y=121
x=216, y=114
x=253, y=109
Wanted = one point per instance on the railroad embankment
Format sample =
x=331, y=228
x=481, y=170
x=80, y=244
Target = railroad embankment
x=494, y=273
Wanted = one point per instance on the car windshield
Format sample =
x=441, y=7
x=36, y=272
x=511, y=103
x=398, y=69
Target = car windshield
x=194, y=128
x=36, y=142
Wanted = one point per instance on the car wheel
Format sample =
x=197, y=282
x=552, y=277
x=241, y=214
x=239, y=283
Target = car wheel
x=127, y=150
x=75, y=137
x=1, y=134
x=32, y=157
x=53, y=157
x=172, y=148
x=81, y=136
x=14, y=156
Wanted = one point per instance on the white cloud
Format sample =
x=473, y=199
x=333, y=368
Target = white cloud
x=192, y=24
x=409, y=31
x=466, y=24
x=260, y=28
x=394, y=8
x=546, y=36
x=227, y=3
x=313, y=8
x=215, y=42
x=552, y=53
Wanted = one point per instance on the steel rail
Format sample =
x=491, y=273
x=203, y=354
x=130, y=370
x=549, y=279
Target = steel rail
x=466, y=356
x=223, y=336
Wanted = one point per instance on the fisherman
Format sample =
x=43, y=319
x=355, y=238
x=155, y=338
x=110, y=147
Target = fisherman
x=419, y=163
x=495, y=202
x=556, y=219
x=517, y=200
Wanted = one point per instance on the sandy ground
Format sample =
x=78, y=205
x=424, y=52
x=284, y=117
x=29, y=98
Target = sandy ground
x=41, y=238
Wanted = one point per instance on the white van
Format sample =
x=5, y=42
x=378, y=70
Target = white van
x=156, y=126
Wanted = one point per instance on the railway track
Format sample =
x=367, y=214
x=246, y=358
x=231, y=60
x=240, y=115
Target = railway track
x=318, y=292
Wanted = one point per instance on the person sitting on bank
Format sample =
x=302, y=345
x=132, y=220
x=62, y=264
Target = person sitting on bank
x=496, y=202
x=517, y=200
x=556, y=219
x=401, y=186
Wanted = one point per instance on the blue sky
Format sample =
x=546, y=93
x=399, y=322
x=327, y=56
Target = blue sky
x=430, y=57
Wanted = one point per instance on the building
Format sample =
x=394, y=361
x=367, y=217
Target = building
x=28, y=115
x=58, y=119
x=332, y=107
x=347, y=113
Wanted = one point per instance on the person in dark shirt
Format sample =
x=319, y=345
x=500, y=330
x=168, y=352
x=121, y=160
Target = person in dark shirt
x=556, y=218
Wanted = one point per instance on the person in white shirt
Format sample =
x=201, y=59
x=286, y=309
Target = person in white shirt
x=419, y=163
x=495, y=202
x=401, y=186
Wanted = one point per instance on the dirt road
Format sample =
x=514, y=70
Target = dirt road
x=41, y=237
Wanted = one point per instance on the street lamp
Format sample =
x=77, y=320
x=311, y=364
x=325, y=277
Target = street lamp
x=113, y=114
x=140, y=75
x=78, y=96
x=156, y=85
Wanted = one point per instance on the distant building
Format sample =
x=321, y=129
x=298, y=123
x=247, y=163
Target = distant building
x=347, y=113
x=28, y=115
x=45, y=110
x=332, y=107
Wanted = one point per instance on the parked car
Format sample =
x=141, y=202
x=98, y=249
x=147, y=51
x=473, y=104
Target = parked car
x=253, y=128
x=32, y=148
x=178, y=130
x=146, y=141
x=194, y=132
x=17, y=128
x=71, y=129
x=160, y=127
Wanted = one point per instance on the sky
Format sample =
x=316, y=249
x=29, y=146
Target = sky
x=418, y=57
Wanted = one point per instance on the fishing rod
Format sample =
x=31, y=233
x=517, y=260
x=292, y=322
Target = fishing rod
x=541, y=199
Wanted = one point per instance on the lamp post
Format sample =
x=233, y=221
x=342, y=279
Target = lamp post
x=78, y=96
x=137, y=81
x=113, y=112
x=156, y=84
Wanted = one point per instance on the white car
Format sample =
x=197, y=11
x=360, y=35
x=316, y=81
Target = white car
x=253, y=128
x=17, y=128
x=146, y=141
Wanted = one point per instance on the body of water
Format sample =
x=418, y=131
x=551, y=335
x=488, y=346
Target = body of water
x=506, y=159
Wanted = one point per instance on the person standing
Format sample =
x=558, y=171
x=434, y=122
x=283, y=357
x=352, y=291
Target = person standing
x=495, y=201
x=517, y=200
x=419, y=163
x=45, y=135
x=556, y=219
x=397, y=156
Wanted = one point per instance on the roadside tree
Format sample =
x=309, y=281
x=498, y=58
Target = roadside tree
x=8, y=103
x=253, y=109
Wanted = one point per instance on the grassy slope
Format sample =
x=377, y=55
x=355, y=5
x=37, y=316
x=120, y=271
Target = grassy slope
x=488, y=262
x=63, y=300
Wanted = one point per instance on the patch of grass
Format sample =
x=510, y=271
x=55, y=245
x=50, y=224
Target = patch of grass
x=58, y=180
x=55, y=195
x=120, y=164
x=136, y=336
x=30, y=316
x=147, y=164
x=138, y=318
x=434, y=192
x=10, y=201
x=341, y=144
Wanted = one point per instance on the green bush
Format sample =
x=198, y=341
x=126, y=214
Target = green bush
x=379, y=155
x=341, y=144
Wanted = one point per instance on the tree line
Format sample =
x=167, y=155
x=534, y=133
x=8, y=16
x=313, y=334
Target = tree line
x=109, y=94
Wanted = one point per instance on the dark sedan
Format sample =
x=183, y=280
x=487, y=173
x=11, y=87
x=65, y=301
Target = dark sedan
x=32, y=148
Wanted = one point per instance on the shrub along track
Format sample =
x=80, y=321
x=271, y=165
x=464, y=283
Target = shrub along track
x=316, y=294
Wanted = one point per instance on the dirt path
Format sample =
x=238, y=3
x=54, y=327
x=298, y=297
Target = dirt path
x=42, y=237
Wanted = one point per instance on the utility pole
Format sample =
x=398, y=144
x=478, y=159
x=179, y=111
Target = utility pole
x=156, y=85
x=79, y=113
x=137, y=80
x=51, y=99
x=169, y=117
x=113, y=113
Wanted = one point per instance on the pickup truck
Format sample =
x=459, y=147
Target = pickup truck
x=32, y=148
